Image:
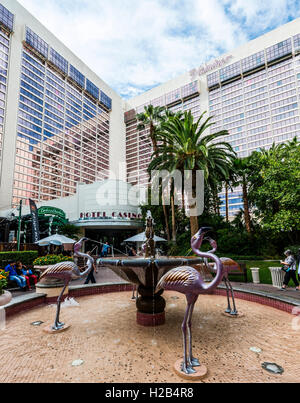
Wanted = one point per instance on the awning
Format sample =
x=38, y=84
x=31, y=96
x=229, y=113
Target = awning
x=142, y=238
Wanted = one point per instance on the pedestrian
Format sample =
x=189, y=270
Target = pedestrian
x=27, y=273
x=14, y=276
x=105, y=249
x=90, y=277
x=132, y=251
x=298, y=263
x=290, y=267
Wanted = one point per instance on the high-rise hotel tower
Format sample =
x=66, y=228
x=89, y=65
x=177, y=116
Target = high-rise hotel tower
x=61, y=125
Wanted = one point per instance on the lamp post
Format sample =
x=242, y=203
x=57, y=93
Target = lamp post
x=19, y=224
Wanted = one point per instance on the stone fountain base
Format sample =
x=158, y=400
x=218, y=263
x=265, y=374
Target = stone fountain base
x=145, y=274
x=149, y=319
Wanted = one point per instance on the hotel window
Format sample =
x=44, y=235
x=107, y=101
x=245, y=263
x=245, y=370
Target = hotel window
x=251, y=62
x=160, y=101
x=213, y=79
x=230, y=71
x=105, y=100
x=280, y=49
x=92, y=89
x=173, y=96
x=59, y=61
x=77, y=76
x=36, y=42
x=189, y=89
x=297, y=43
x=6, y=18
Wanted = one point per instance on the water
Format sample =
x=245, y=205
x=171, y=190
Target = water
x=68, y=303
x=2, y=318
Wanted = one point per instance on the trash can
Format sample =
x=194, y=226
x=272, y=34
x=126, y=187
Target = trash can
x=255, y=275
x=277, y=276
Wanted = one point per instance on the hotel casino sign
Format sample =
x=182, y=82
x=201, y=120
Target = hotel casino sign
x=113, y=215
x=209, y=67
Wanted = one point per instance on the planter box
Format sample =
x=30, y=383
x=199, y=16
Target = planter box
x=5, y=298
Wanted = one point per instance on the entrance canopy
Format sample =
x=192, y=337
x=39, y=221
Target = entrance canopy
x=142, y=238
x=55, y=240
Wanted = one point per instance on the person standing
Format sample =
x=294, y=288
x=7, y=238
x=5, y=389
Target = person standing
x=290, y=270
x=298, y=263
x=104, y=251
x=14, y=276
x=90, y=277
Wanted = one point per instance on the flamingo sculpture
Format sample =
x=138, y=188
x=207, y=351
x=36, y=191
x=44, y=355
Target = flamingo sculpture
x=67, y=271
x=228, y=265
x=188, y=281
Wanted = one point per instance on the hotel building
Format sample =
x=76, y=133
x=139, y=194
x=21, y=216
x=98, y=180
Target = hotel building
x=62, y=127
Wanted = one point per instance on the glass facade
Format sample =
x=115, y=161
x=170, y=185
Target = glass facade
x=6, y=19
x=63, y=134
x=256, y=99
x=4, y=58
x=138, y=144
x=260, y=108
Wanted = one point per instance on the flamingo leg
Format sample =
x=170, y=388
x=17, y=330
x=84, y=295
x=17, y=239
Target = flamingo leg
x=57, y=324
x=234, y=312
x=228, y=310
x=185, y=367
x=192, y=361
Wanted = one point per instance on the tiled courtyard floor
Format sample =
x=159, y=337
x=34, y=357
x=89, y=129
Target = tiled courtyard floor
x=104, y=334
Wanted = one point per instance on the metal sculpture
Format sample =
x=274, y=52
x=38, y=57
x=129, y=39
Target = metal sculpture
x=188, y=281
x=149, y=245
x=228, y=265
x=67, y=271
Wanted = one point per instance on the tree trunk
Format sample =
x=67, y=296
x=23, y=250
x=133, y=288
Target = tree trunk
x=226, y=202
x=173, y=215
x=166, y=220
x=246, y=207
x=193, y=219
x=194, y=225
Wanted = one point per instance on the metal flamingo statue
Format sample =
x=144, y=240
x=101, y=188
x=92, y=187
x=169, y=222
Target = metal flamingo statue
x=67, y=271
x=188, y=281
x=228, y=265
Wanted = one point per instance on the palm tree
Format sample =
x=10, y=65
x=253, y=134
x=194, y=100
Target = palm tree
x=151, y=118
x=182, y=145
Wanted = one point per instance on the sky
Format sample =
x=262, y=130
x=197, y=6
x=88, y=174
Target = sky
x=135, y=45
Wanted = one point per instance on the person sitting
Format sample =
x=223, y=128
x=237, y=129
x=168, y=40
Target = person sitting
x=27, y=273
x=14, y=276
x=290, y=270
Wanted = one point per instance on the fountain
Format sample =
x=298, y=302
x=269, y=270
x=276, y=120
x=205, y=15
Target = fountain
x=145, y=273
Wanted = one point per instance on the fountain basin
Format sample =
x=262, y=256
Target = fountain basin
x=145, y=273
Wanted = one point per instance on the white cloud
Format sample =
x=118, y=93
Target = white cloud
x=136, y=44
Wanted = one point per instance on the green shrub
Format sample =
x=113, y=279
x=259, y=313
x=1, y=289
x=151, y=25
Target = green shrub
x=26, y=257
x=51, y=259
x=3, y=280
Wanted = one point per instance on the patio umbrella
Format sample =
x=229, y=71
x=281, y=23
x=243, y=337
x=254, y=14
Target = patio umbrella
x=55, y=240
x=142, y=238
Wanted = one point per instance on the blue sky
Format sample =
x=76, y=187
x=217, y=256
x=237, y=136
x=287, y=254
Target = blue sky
x=135, y=45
